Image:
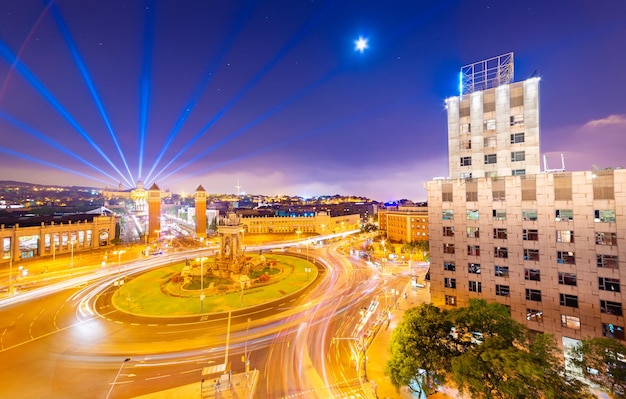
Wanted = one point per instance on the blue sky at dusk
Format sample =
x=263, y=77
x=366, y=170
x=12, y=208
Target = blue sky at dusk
x=273, y=94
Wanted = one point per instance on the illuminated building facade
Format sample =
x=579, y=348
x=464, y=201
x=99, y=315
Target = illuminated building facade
x=34, y=237
x=320, y=223
x=154, y=212
x=200, y=212
x=493, y=125
x=549, y=246
x=404, y=224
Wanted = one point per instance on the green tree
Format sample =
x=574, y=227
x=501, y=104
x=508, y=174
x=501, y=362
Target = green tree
x=602, y=361
x=482, y=349
x=420, y=349
x=498, y=370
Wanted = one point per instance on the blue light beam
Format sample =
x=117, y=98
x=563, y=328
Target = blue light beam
x=41, y=161
x=243, y=16
x=145, y=81
x=51, y=142
x=30, y=78
x=281, y=53
x=86, y=77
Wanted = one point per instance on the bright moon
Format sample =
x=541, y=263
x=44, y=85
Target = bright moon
x=361, y=44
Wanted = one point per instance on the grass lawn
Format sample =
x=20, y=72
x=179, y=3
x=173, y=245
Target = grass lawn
x=149, y=295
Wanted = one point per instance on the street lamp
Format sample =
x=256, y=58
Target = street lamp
x=245, y=350
x=360, y=344
x=72, y=242
x=117, y=376
x=119, y=264
x=202, y=259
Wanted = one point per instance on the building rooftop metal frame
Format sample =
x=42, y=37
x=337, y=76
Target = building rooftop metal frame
x=487, y=74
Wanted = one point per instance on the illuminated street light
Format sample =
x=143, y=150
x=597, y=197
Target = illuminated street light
x=72, y=242
x=119, y=264
x=201, y=260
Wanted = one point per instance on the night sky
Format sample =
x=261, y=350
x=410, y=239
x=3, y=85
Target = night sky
x=273, y=94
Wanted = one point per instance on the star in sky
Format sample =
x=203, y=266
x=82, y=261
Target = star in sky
x=360, y=44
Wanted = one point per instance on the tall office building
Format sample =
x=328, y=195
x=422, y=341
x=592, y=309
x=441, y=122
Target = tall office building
x=493, y=125
x=547, y=245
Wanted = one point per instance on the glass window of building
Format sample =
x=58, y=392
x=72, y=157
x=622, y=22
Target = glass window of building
x=606, y=238
x=564, y=236
x=501, y=252
x=475, y=286
x=529, y=215
x=500, y=233
x=609, y=307
x=490, y=159
x=473, y=232
x=604, y=215
x=473, y=250
x=534, y=315
x=448, y=248
x=448, y=231
x=532, y=274
x=449, y=282
x=472, y=214
x=572, y=322
x=466, y=161
x=530, y=235
x=566, y=278
x=531, y=254
x=533, y=295
x=518, y=172
x=563, y=215
x=447, y=214
x=607, y=261
x=566, y=257
x=499, y=214
x=608, y=284
x=568, y=300
x=502, y=290
x=450, y=300
x=518, y=156
x=613, y=331
x=449, y=266
x=501, y=271
x=473, y=268
x=490, y=142
x=517, y=138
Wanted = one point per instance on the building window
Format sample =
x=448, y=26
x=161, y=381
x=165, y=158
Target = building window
x=609, y=307
x=502, y=271
x=475, y=286
x=472, y=214
x=529, y=215
x=465, y=128
x=563, y=215
x=517, y=120
x=489, y=124
x=490, y=142
x=448, y=231
x=465, y=145
x=612, y=331
x=466, y=161
x=572, y=322
x=566, y=257
x=499, y=214
x=450, y=300
x=502, y=290
x=498, y=195
x=517, y=138
x=608, y=284
x=449, y=266
x=471, y=196
x=449, y=282
x=606, y=238
x=448, y=248
x=500, y=234
x=568, y=300
x=530, y=235
x=501, y=252
x=466, y=175
x=564, y=236
x=567, y=278
x=447, y=214
x=607, y=261
x=534, y=315
x=473, y=232
x=473, y=250
x=473, y=268
x=532, y=274
x=446, y=197
x=518, y=172
x=518, y=156
x=531, y=254
x=604, y=215
x=533, y=295
x=490, y=159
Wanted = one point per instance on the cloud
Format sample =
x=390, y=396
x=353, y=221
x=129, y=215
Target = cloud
x=608, y=121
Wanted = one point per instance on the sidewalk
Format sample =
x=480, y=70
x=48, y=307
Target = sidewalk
x=378, y=352
x=241, y=387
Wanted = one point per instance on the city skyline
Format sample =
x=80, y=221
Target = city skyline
x=294, y=98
